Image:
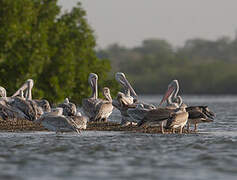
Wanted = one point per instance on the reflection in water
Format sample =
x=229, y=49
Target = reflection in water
x=121, y=155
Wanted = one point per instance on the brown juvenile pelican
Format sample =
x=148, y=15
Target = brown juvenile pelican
x=178, y=119
x=55, y=121
x=199, y=114
x=105, y=107
x=156, y=116
x=69, y=109
x=89, y=105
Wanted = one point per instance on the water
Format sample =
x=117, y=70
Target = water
x=210, y=154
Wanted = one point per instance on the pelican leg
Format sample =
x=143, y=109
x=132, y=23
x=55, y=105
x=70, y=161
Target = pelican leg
x=78, y=131
x=195, y=127
x=188, y=127
x=181, y=130
x=162, y=128
x=173, y=130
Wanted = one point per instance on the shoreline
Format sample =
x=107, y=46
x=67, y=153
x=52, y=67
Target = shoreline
x=29, y=126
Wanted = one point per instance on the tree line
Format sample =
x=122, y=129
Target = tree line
x=54, y=48
x=201, y=66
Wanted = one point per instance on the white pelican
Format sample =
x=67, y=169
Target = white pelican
x=89, y=105
x=27, y=87
x=126, y=100
x=173, y=101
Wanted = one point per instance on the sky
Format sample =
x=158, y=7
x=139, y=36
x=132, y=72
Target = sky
x=129, y=22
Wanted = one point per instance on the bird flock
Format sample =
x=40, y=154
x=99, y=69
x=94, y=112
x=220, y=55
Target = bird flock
x=66, y=117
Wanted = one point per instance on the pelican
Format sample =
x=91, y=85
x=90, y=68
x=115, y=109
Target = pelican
x=157, y=116
x=173, y=101
x=26, y=109
x=89, y=105
x=199, y=114
x=161, y=115
x=30, y=109
x=56, y=121
x=178, y=119
x=27, y=86
x=6, y=110
x=69, y=109
x=126, y=100
x=105, y=108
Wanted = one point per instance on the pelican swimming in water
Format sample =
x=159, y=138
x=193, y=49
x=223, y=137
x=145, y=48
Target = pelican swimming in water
x=105, y=107
x=89, y=105
x=56, y=121
x=199, y=114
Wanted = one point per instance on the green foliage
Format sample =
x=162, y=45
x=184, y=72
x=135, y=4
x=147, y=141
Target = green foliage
x=55, y=49
x=201, y=66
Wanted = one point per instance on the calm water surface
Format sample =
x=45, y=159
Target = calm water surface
x=210, y=154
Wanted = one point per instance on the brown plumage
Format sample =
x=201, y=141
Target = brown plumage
x=178, y=120
x=105, y=107
x=199, y=114
x=69, y=109
x=158, y=116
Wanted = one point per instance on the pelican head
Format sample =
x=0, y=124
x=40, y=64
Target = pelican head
x=173, y=87
x=140, y=106
x=106, y=93
x=121, y=78
x=208, y=112
x=3, y=92
x=30, y=83
x=66, y=101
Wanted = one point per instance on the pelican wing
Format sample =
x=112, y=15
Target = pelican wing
x=177, y=119
x=103, y=110
x=137, y=114
x=156, y=115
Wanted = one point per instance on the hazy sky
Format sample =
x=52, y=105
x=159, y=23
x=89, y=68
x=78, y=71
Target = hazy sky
x=128, y=22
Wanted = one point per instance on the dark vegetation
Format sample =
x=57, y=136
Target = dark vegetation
x=201, y=66
x=54, y=48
